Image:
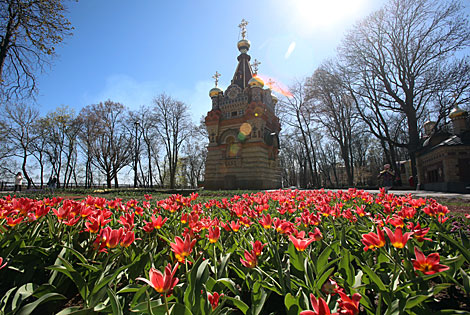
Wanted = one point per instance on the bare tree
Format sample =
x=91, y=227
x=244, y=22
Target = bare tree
x=296, y=113
x=335, y=112
x=30, y=31
x=194, y=155
x=399, y=54
x=173, y=127
x=109, y=142
x=18, y=121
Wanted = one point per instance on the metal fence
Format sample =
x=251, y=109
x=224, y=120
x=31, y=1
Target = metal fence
x=10, y=186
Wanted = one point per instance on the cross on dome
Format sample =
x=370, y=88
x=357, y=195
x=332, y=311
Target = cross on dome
x=216, y=77
x=242, y=27
x=255, y=65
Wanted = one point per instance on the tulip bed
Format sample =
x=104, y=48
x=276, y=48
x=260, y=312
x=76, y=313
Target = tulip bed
x=279, y=252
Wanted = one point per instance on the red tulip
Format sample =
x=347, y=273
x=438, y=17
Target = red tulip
x=316, y=235
x=257, y=247
x=12, y=222
x=127, y=239
x=162, y=283
x=349, y=305
x=319, y=307
x=1, y=260
x=372, y=240
x=329, y=287
x=182, y=249
x=127, y=220
x=214, y=234
x=251, y=260
x=112, y=237
x=419, y=233
x=214, y=299
x=428, y=265
x=398, y=239
x=266, y=221
x=300, y=242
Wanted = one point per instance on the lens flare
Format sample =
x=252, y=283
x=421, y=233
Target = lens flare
x=234, y=149
x=245, y=129
x=275, y=85
x=259, y=111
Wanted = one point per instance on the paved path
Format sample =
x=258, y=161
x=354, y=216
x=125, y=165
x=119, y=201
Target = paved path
x=421, y=193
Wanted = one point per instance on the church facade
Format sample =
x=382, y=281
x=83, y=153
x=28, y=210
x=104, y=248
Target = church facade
x=243, y=130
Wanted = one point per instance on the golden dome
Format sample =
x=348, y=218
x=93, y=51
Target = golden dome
x=256, y=82
x=457, y=112
x=243, y=45
x=214, y=92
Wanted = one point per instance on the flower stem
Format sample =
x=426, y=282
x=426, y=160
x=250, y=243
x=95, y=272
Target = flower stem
x=215, y=264
x=166, y=304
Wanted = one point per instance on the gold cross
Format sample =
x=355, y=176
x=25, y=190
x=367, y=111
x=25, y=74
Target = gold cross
x=271, y=83
x=255, y=65
x=216, y=76
x=242, y=27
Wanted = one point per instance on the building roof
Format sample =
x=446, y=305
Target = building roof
x=451, y=140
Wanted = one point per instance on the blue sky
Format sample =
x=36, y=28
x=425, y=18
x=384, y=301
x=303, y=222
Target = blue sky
x=131, y=51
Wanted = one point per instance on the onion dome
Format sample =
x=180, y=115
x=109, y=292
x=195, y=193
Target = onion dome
x=243, y=45
x=214, y=92
x=275, y=100
x=256, y=82
x=456, y=112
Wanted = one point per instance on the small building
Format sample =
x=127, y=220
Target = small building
x=243, y=130
x=443, y=161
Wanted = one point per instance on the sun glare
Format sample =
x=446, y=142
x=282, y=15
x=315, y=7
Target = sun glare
x=310, y=15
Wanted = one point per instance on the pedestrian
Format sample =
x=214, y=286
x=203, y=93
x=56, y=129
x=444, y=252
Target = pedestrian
x=18, y=181
x=387, y=176
x=51, y=184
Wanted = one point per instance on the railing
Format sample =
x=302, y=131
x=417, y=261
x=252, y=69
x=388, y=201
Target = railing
x=9, y=186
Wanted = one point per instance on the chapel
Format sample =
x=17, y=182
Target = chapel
x=243, y=130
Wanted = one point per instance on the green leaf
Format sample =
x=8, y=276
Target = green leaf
x=416, y=300
x=258, y=297
x=115, y=305
x=22, y=294
x=104, y=281
x=77, y=254
x=131, y=288
x=74, y=276
x=76, y=310
x=238, y=303
x=157, y=307
x=223, y=265
x=180, y=309
x=373, y=277
x=322, y=260
x=29, y=308
x=296, y=258
x=292, y=304
x=465, y=280
x=324, y=277
x=345, y=264
x=465, y=252
x=229, y=284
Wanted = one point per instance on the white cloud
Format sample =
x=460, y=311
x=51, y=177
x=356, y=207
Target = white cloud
x=126, y=90
x=289, y=50
x=133, y=93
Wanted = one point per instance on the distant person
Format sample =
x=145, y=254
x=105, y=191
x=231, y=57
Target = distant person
x=52, y=183
x=411, y=181
x=18, y=181
x=387, y=176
